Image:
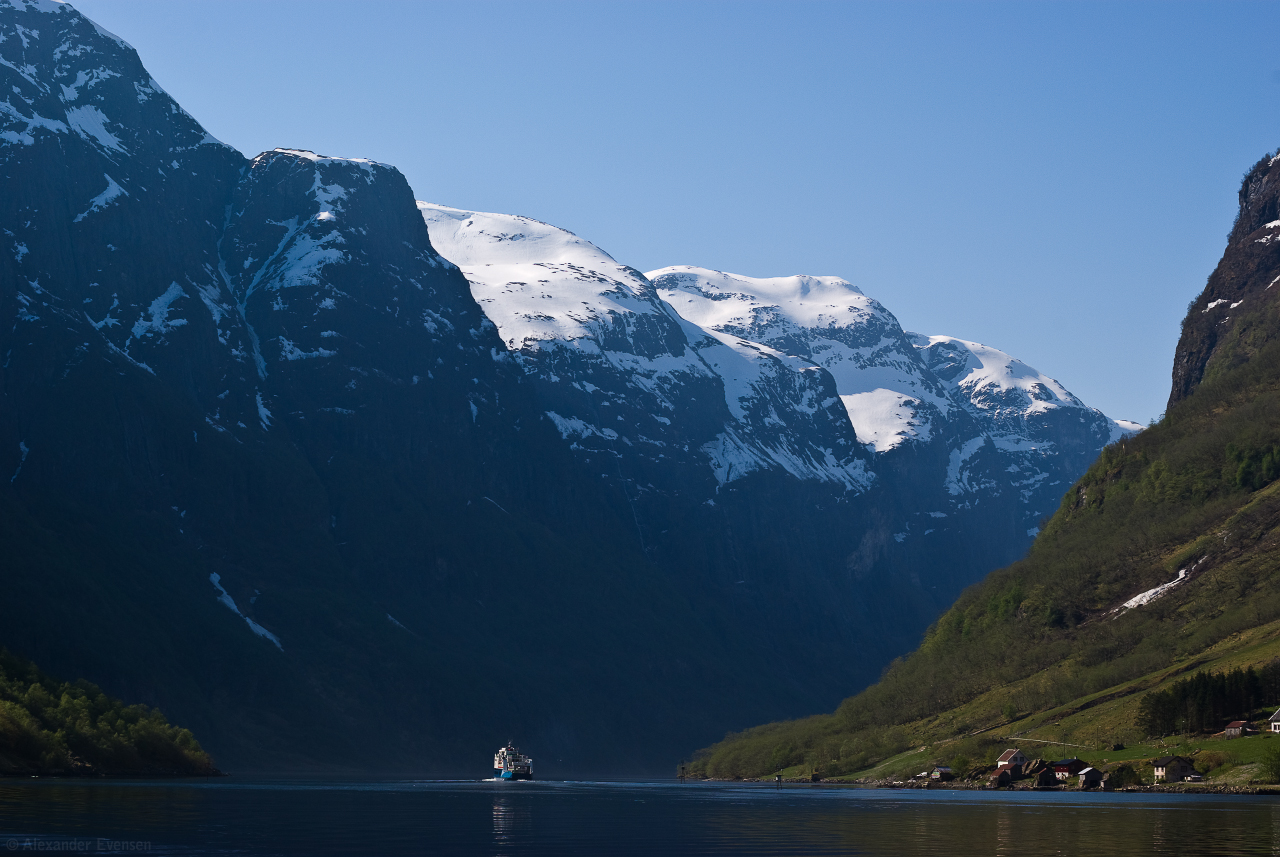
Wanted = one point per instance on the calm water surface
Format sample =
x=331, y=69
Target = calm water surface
x=230, y=817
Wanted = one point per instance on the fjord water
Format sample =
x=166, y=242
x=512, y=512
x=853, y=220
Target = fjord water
x=570, y=818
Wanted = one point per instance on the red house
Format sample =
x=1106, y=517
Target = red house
x=1065, y=769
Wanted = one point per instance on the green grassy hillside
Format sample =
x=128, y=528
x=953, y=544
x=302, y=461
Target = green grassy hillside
x=51, y=727
x=1044, y=648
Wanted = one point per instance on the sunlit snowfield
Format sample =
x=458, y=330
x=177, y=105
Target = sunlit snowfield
x=402, y=818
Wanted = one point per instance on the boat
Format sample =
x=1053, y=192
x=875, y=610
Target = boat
x=510, y=764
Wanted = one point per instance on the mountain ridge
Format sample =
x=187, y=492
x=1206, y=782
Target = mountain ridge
x=276, y=471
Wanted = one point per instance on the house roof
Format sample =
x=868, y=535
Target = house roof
x=1275, y=716
x=1070, y=761
x=1235, y=724
x=1088, y=769
x=1008, y=755
x=1166, y=761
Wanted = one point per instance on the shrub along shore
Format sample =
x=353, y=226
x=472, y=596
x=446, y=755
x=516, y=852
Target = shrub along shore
x=54, y=728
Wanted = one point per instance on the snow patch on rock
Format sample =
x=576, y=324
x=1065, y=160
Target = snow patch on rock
x=1143, y=598
x=155, y=321
x=91, y=123
x=225, y=598
x=102, y=200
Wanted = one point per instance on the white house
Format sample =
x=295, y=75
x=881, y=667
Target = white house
x=1172, y=769
x=1009, y=758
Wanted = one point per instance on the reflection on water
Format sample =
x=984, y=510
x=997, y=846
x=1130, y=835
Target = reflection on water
x=510, y=819
x=416, y=818
x=502, y=819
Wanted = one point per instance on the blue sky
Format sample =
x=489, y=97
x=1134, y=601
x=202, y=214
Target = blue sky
x=1053, y=179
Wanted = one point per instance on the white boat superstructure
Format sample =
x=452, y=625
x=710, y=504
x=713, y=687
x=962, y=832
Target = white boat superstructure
x=510, y=764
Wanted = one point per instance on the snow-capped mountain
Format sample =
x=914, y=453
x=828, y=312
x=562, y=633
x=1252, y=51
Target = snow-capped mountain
x=901, y=388
x=325, y=472
x=622, y=373
x=1032, y=428
x=1000, y=389
x=888, y=394
x=615, y=351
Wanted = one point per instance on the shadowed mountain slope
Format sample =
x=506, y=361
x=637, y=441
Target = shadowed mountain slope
x=1157, y=560
x=341, y=480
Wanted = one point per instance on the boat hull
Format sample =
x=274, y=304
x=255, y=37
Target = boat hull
x=499, y=774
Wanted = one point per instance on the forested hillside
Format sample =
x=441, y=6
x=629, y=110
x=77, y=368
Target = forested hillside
x=62, y=728
x=1162, y=560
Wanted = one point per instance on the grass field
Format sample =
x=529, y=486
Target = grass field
x=1086, y=727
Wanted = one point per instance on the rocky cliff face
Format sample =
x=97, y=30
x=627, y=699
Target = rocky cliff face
x=113, y=204
x=1236, y=314
x=338, y=478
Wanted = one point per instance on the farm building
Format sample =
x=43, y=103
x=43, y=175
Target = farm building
x=1239, y=728
x=1172, y=769
x=1090, y=778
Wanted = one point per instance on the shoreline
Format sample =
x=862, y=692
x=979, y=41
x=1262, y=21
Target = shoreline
x=953, y=785
x=140, y=775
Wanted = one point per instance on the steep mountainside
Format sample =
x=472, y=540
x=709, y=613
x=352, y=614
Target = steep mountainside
x=268, y=466
x=338, y=479
x=933, y=453
x=1235, y=315
x=1162, y=559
